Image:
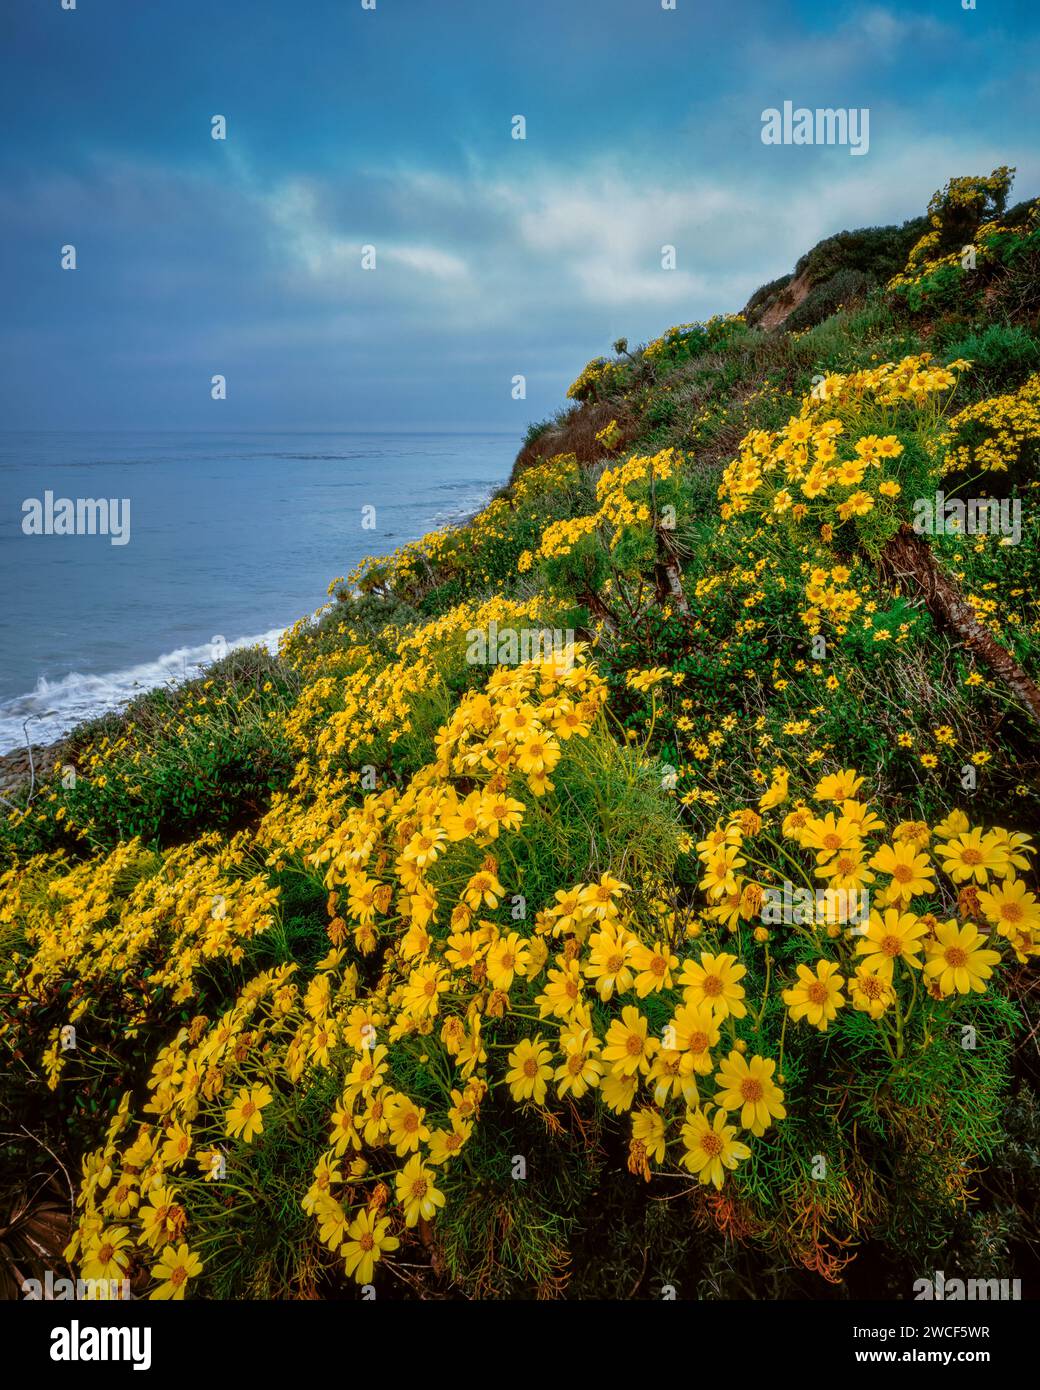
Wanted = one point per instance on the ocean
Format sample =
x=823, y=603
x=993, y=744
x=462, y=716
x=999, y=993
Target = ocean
x=230, y=538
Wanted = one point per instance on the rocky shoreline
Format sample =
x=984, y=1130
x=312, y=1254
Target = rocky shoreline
x=16, y=767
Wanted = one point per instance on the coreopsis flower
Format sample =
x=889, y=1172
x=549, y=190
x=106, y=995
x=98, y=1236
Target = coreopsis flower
x=407, y=1123
x=537, y=755
x=367, y=1073
x=177, y=1145
x=123, y=1198
x=507, y=958
x=618, y=1091
x=710, y=1147
x=610, y=954
x=628, y=1049
x=332, y=1221
x=720, y=872
x=344, y=1132
x=599, y=898
x=648, y=1142
x=483, y=889
x=974, y=855
x=326, y=1173
x=830, y=835
x=416, y=1192
x=446, y=1144
x=847, y=871
x=500, y=812
x=694, y=1030
x=530, y=1069
x=838, y=786
x=107, y=1254
x=890, y=937
x=870, y=992
x=581, y=1070
x=749, y=1087
x=647, y=680
x=654, y=965
x=672, y=1075
x=174, y=1269
x=563, y=993
x=464, y=823
x=817, y=995
x=244, y=1119
x=714, y=979
x=368, y=1240
x=958, y=959
x=911, y=872
x=777, y=793
x=1011, y=907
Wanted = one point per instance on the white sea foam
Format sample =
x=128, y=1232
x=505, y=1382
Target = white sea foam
x=56, y=706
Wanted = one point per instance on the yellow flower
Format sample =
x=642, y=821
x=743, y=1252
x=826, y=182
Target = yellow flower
x=407, y=1124
x=367, y=1243
x=174, y=1269
x=838, y=786
x=817, y=996
x=177, y=1145
x=608, y=965
x=244, y=1118
x=655, y=965
x=710, y=1148
x=777, y=793
x=562, y=995
x=714, y=980
x=911, y=872
x=580, y=1070
x=1011, y=908
x=894, y=936
x=417, y=1193
x=749, y=1087
x=871, y=993
x=446, y=1144
x=973, y=855
x=646, y=680
x=598, y=898
x=508, y=957
x=628, y=1049
x=694, y=1030
x=958, y=960
x=107, y=1255
x=648, y=1142
x=530, y=1069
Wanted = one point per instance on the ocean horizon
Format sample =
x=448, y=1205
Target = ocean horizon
x=231, y=536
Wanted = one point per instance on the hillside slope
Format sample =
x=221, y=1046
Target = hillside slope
x=633, y=886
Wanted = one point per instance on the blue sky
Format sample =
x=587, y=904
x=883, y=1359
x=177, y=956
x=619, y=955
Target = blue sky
x=391, y=127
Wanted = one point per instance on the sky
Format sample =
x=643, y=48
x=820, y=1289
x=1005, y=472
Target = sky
x=392, y=128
